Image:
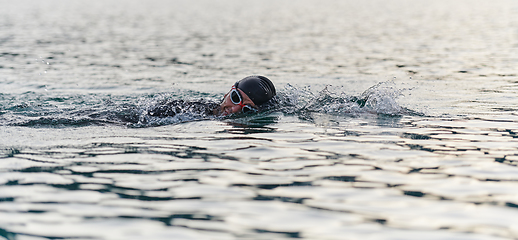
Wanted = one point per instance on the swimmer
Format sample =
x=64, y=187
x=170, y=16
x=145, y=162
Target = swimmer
x=247, y=95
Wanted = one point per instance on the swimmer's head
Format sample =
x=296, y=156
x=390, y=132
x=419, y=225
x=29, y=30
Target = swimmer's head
x=247, y=94
x=258, y=88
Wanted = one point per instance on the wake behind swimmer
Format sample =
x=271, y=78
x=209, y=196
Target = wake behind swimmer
x=253, y=96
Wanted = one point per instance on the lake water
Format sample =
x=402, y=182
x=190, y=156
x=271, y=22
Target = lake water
x=433, y=154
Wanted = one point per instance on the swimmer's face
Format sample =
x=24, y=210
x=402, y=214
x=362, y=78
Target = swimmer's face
x=228, y=107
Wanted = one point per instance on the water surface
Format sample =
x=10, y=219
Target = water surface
x=432, y=155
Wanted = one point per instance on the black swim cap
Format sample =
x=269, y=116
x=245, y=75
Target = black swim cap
x=258, y=88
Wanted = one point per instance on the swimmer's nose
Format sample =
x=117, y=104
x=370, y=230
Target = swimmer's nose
x=230, y=110
x=236, y=108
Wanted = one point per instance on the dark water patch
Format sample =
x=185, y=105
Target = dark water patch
x=290, y=200
x=273, y=186
x=341, y=178
x=177, y=61
x=285, y=234
x=7, y=235
x=169, y=221
x=40, y=169
x=505, y=109
x=511, y=162
x=380, y=221
x=142, y=197
x=414, y=193
x=416, y=136
x=60, y=123
x=8, y=54
x=243, y=129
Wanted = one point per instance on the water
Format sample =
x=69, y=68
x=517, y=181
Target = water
x=432, y=155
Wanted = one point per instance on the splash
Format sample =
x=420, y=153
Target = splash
x=165, y=109
x=37, y=110
x=378, y=99
x=382, y=98
x=33, y=110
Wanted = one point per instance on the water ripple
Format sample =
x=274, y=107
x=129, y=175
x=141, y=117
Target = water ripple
x=349, y=151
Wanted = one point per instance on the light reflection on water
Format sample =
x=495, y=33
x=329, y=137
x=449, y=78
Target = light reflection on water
x=433, y=155
x=299, y=180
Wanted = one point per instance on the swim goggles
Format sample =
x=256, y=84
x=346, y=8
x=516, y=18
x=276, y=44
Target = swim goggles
x=236, y=98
